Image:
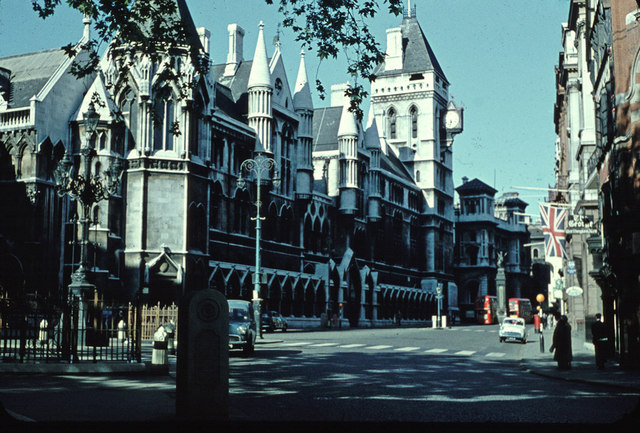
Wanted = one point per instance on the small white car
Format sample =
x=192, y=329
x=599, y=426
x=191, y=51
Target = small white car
x=513, y=327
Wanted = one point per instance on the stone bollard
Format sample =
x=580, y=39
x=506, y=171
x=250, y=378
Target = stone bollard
x=202, y=373
x=434, y=321
x=171, y=336
x=122, y=334
x=43, y=334
x=159, y=355
x=541, y=342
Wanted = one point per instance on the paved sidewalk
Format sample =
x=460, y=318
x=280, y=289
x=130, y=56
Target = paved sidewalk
x=583, y=366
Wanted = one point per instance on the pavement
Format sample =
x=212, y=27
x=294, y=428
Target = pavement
x=159, y=415
x=583, y=366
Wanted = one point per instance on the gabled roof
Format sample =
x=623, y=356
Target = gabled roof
x=389, y=162
x=475, y=186
x=326, y=122
x=181, y=14
x=236, y=83
x=417, y=55
x=29, y=73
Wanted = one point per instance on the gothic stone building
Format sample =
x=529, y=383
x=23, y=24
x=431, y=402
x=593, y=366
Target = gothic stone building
x=360, y=226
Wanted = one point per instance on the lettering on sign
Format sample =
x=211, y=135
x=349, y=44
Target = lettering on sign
x=581, y=225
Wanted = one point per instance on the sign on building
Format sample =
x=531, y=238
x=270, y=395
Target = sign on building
x=581, y=225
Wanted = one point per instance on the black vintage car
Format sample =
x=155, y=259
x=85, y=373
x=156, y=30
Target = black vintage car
x=272, y=320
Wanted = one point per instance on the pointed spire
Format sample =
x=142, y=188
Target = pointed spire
x=302, y=93
x=348, y=125
x=371, y=135
x=260, y=75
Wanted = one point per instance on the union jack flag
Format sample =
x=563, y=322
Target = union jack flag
x=553, y=220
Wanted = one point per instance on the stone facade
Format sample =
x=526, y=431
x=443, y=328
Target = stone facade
x=360, y=226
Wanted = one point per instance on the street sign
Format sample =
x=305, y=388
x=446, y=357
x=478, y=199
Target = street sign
x=574, y=291
x=571, y=267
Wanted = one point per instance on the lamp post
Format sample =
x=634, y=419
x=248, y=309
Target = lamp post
x=86, y=190
x=260, y=166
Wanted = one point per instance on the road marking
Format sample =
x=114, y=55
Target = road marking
x=323, y=344
x=435, y=350
x=465, y=352
x=495, y=354
x=349, y=346
x=380, y=347
x=299, y=343
x=406, y=349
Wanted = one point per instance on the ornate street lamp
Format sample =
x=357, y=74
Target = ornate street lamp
x=261, y=166
x=86, y=190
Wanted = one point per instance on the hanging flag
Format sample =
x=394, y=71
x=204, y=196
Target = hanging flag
x=553, y=221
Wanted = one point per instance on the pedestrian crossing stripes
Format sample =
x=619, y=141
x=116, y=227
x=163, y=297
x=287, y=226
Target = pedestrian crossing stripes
x=465, y=352
x=405, y=349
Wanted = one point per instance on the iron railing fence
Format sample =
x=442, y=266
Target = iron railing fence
x=37, y=330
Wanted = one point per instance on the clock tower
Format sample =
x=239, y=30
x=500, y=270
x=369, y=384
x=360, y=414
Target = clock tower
x=412, y=106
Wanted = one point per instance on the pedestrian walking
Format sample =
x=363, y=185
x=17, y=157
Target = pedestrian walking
x=561, y=345
x=600, y=339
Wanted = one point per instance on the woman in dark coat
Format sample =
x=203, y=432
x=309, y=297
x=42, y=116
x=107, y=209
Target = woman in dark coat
x=562, y=342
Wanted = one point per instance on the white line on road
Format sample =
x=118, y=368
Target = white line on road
x=465, y=352
x=495, y=354
x=406, y=349
x=324, y=344
x=435, y=350
x=299, y=343
x=380, y=347
x=349, y=346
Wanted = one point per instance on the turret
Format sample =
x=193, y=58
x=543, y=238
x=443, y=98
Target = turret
x=348, y=148
x=303, y=105
x=260, y=90
x=372, y=140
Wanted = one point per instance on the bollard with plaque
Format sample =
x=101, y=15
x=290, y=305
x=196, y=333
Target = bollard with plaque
x=202, y=372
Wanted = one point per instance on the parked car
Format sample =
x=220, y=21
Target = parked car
x=513, y=327
x=242, y=326
x=272, y=320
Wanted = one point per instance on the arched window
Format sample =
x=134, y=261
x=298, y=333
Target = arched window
x=413, y=112
x=129, y=109
x=391, y=116
x=163, y=123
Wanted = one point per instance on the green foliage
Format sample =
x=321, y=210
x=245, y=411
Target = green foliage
x=330, y=27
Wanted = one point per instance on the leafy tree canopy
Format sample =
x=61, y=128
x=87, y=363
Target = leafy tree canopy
x=330, y=27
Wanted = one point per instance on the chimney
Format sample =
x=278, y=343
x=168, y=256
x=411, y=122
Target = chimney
x=338, y=98
x=236, y=35
x=465, y=179
x=393, y=59
x=205, y=37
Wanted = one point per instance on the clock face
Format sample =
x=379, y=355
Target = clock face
x=452, y=119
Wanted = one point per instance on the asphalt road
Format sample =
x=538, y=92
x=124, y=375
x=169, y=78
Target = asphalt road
x=411, y=375
x=458, y=375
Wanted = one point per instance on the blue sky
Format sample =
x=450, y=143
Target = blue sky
x=498, y=55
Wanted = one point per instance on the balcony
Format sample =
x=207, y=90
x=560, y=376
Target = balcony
x=16, y=118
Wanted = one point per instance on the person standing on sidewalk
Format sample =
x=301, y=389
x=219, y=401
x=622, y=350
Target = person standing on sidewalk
x=599, y=338
x=562, y=342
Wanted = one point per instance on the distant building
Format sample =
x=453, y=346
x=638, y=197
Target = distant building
x=484, y=227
